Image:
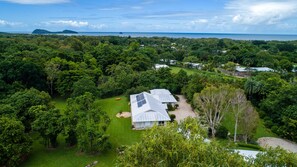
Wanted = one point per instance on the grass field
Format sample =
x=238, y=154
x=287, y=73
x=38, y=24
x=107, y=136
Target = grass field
x=175, y=70
x=120, y=134
x=262, y=131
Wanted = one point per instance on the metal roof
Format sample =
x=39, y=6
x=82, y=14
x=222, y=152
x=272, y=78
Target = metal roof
x=150, y=111
x=163, y=95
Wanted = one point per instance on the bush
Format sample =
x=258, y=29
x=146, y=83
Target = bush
x=176, y=97
x=135, y=90
x=172, y=117
x=170, y=107
x=222, y=132
x=252, y=146
x=176, y=106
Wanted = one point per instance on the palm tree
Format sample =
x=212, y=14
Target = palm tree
x=252, y=87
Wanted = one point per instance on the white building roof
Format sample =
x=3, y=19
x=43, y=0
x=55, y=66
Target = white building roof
x=158, y=66
x=146, y=108
x=163, y=95
x=240, y=69
x=260, y=69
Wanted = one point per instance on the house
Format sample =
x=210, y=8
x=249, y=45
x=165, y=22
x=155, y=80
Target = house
x=172, y=62
x=164, y=96
x=158, y=66
x=244, y=71
x=198, y=66
x=147, y=111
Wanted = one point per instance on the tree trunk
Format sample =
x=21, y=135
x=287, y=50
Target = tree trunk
x=213, y=132
x=245, y=138
x=235, y=129
x=51, y=87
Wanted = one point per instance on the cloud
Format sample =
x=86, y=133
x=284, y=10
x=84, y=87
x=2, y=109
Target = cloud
x=37, y=2
x=8, y=23
x=110, y=9
x=70, y=23
x=254, y=12
x=74, y=24
x=199, y=21
x=170, y=15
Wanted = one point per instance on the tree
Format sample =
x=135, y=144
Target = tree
x=84, y=85
x=90, y=132
x=213, y=103
x=85, y=124
x=239, y=105
x=178, y=145
x=47, y=124
x=275, y=157
x=15, y=144
x=23, y=100
x=52, y=71
x=252, y=87
x=248, y=121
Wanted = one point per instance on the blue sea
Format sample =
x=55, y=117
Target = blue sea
x=266, y=37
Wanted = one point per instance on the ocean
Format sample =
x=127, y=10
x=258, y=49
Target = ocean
x=266, y=37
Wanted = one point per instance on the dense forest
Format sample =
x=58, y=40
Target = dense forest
x=35, y=68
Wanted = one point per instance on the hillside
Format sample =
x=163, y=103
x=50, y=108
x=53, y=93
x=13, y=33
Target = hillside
x=42, y=31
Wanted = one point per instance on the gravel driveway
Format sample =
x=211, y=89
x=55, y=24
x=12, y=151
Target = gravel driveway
x=274, y=142
x=184, y=110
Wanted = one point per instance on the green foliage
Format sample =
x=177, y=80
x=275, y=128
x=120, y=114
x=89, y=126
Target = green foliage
x=172, y=117
x=135, y=90
x=222, y=132
x=177, y=145
x=275, y=157
x=23, y=100
x=47, y=123
x=15, y=144
x=252, y=146
x=84, y=85
x=85, y=124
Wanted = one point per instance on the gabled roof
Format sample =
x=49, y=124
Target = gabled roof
x=163, y=95
x=145, y=108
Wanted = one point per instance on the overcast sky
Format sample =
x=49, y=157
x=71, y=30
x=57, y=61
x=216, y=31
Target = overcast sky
x=206, y=16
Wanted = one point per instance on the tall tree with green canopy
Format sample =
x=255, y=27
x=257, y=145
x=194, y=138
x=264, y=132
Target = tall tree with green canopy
x=52, y=70
x=47, y=123
x=213, y=103
x=85, y=124
x=84, y=85
x=15, y=144
x=23, y=100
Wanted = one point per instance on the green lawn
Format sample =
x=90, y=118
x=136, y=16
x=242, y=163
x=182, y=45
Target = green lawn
x=262, y=131
x=175, y=70
x=120, y=134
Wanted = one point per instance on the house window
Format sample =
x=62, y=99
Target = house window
x=161, y=123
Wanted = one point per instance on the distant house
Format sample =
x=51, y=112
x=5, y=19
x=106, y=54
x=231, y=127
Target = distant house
x=245, y=71
x=172, y=62
x=158, y=66
x=149, y=109
x=198, y=66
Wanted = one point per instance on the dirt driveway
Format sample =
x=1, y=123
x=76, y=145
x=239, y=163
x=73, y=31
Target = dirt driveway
x=274, y=142
x=184, y=110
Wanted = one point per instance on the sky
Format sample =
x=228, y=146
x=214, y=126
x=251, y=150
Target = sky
x=200, y=16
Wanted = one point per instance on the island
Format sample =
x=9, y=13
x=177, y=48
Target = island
x=42, y=31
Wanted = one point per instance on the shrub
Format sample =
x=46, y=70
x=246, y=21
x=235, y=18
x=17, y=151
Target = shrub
x=170, y=107
x=222, y=132
x=252, y=146
x=172, y=117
